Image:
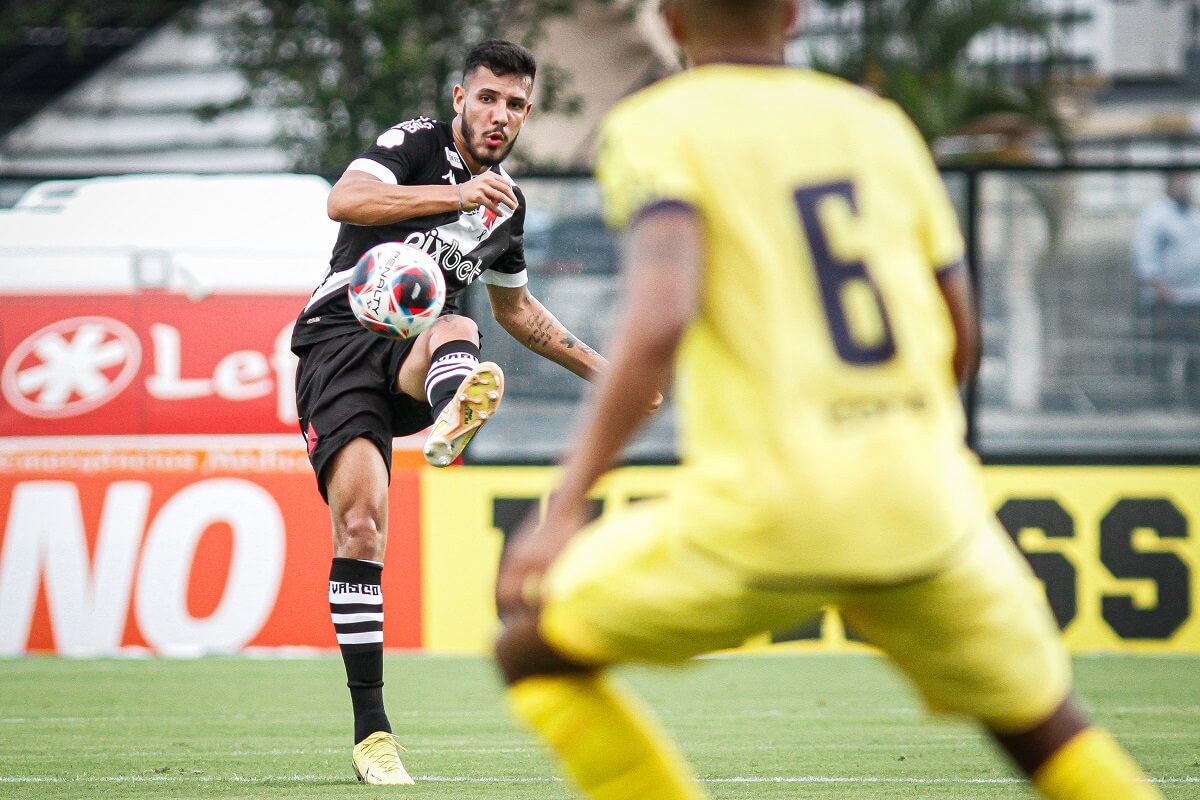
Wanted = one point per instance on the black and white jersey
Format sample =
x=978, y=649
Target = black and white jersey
x=466, y=245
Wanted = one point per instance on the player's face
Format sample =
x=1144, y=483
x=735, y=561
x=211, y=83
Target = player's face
x=492, y=109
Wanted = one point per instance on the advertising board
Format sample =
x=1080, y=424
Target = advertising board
x=147, y=363
x=1114, y=547
x=222, y=545
x=181, y=550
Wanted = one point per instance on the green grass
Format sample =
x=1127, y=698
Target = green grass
x=280, y=728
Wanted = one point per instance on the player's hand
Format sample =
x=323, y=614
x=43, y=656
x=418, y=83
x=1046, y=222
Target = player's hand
x=657, y=402
x=490, y=190
x=534, y=547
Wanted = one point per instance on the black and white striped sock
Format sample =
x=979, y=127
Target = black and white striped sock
x=356, y=606
x=450, y=363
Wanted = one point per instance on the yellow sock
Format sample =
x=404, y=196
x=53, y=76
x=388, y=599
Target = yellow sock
x=610, y=746
x=1092, y=766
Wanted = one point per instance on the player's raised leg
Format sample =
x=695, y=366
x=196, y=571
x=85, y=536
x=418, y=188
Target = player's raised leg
x=356, y=486
x=443, y=368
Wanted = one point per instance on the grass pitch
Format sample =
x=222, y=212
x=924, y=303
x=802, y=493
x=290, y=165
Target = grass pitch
x=795, y=726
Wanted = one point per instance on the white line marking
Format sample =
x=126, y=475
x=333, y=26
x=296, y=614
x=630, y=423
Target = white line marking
x=296, y=778
x=843, y=714
x=868, y=779
x=192, y=718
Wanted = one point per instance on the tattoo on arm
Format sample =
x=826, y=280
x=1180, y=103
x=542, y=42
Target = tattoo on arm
x=541, y=330
x=570, y=342
x=544, y=329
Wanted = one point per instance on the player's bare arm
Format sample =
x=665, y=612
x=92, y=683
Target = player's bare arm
x=529, y=322
x=661, y=297
x=956, y=290
x=359, y=198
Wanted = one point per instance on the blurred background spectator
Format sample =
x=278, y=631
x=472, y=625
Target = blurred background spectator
x=1167, y=247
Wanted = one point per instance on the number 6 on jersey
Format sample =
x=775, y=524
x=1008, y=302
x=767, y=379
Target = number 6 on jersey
x=858, y=321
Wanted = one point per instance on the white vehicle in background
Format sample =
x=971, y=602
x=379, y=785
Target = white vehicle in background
x=195, y=234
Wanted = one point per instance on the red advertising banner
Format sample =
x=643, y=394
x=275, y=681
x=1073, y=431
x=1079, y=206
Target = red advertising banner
x=182, y=550
x=147, y=363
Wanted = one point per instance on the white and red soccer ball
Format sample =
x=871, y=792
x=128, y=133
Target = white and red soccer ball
x=396, y=290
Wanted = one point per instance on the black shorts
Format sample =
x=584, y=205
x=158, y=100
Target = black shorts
x=345, y=390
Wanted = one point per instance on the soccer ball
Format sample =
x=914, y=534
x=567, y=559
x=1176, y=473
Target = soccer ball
x=396, y=290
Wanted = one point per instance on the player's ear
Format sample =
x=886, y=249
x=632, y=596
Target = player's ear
x=673, y=21
x=793, y=16
x=460, y=98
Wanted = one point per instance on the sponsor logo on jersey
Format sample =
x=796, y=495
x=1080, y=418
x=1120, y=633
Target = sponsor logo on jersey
x=394, y=136
x=447, y=253
x=390, y=139
x=418, y=124
x=454, y=159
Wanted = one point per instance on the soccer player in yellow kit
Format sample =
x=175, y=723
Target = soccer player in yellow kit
x=793, y=256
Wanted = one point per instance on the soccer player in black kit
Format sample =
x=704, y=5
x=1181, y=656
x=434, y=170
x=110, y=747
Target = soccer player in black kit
x=439, y=187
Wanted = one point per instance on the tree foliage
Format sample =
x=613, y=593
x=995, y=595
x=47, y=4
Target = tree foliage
x=916, y=53
x=342, y=70
x=73, y=23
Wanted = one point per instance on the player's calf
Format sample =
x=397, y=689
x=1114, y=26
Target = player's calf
x=1068, y=759
x=609, y=745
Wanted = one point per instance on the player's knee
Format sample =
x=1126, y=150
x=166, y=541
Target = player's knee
x=522, y=653
x=507, y=655
x=456, y=326
x=513, y=647
x=1033, y=747
x=358, y=534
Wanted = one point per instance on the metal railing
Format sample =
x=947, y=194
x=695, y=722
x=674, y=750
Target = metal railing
x=1078, y=364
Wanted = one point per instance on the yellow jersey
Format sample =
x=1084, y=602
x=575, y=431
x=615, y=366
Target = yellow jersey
x=820, y=425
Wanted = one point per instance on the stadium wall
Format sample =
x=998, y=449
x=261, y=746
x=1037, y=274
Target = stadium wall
x=220, y=544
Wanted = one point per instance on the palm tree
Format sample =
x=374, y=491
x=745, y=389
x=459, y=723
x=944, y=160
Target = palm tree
x=915, y=52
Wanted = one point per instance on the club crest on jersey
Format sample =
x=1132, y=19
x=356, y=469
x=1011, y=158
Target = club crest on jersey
x=454, y=159
x=481, y=220
x=489, y=218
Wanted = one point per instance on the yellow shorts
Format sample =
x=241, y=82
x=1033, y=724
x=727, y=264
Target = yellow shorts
x=977, y=638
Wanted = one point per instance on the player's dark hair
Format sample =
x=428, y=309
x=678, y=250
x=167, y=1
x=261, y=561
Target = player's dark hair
x=734, y=16
x=502, y=58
